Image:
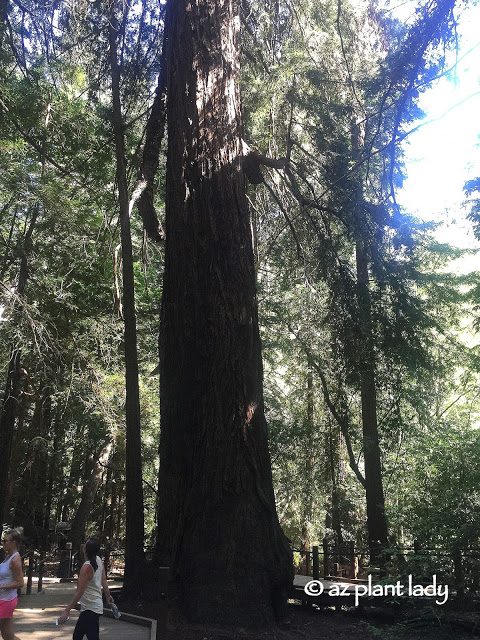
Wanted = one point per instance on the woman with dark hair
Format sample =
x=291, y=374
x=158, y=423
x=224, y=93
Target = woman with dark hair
x=11, y=579
x=91, y=579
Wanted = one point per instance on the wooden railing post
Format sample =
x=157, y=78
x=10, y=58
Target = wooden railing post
x=316, y=563
x=352, y=563
x=162, y=603
x=41, y=568
x=417, y=549
x=30, y=572
x=308, y=563
x=107, y=561
x=326, y=559
x=68, y=547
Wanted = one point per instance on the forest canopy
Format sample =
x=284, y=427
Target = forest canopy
x=369, y=387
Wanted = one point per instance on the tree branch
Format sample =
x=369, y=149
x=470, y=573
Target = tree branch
x=341, y=420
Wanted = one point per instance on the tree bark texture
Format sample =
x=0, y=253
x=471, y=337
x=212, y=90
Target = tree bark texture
x=134, y=517
x=376, y=518
x=377, y=529
x=218, y=528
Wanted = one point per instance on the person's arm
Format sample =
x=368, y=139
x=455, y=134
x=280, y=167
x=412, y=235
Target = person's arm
x=86, y=574
x=16, y=566
x=106, y=590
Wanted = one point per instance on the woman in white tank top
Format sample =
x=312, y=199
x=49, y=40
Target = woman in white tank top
x=91, y=579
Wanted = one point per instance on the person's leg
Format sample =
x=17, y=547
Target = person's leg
x=80, y=627
x=93, y=627
x=6, y=629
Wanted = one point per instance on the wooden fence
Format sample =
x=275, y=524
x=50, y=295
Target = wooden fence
x=459, y=566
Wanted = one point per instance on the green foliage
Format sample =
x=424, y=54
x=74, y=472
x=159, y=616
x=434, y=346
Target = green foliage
x=332, y=88
x=58, y=219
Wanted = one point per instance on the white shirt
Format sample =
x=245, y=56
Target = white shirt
x=92, y=596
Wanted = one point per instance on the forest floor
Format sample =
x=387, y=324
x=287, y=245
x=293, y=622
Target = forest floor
x=345, y=624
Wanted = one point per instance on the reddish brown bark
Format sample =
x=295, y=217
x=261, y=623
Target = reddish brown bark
x=218, y=527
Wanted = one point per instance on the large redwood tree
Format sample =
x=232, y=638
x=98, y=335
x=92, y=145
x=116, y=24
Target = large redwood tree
x=218, y=527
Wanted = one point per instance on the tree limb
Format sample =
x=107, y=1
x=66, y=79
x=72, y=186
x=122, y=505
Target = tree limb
x=153, y=140
x=341, y=420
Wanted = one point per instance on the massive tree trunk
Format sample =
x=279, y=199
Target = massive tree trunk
x=218, y=527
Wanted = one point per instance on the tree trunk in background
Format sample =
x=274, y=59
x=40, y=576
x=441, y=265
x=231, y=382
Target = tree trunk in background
x=218, y=528
x=8, y=413
x=376, y=518
x=8, y=416
x=39, y=471
x=92, y=475
x=16, y=449
x=309, y=462
x=106, y=499
x=74, y=477
x=153, y=139
x=11, y=399
x=110, y=530
x=335, y=515
x=52, y=474
x=377, y=529
x=135, y=529
x=30, y=506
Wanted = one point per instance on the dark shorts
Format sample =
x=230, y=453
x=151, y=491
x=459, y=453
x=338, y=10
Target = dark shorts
x=87, y=625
